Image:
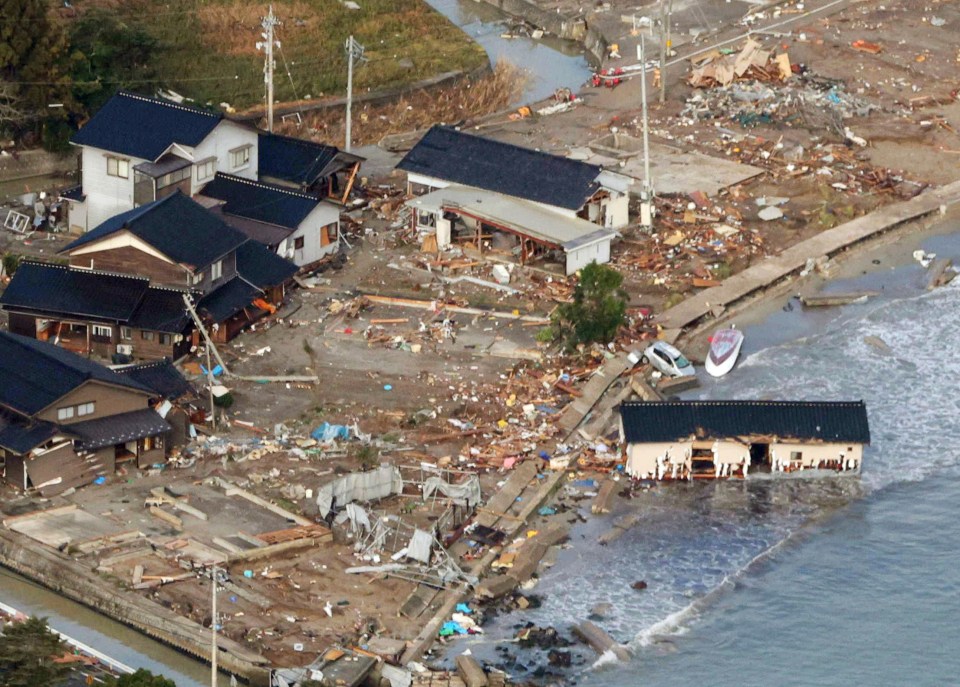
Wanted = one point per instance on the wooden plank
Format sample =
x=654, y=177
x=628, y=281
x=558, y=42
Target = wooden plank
x=168, y=518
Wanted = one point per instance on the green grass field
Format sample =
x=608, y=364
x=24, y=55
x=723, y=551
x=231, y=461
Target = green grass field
x=207, y=47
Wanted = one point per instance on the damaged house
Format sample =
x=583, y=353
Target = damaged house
x=65, y=420
x=295, y=225
x=520, y=202
x=720, y=439
x=123, y=291
x=137, y=149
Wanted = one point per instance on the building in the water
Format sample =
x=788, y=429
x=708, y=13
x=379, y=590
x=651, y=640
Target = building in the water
x=719, y=439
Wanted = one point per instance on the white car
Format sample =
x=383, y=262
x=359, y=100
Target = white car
x=666, y=358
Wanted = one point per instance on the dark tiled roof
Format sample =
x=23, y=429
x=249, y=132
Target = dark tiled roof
x=35, y=373
x=176, y=226
x=262, y=267
x=118, y=429
x=229, y=299
x=260, y=202
x=161, y=377
x=844, y=421
x=298, y=161
x=21, y=435
x=460, y=158
x=73, y=193
x=143, y=127
x=161, y=310
x=58, y=289
x=261, y=232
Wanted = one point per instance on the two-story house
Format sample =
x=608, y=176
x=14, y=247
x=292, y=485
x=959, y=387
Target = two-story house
x=136, y=150
x=65, y=420
x=123, y=291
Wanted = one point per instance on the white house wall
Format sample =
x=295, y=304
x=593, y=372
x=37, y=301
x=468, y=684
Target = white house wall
x=815, y=456
x=643, y=463
x=310, y=229
x=616, y=211
x=106, y=195
x=581, y=257
x=225, y=137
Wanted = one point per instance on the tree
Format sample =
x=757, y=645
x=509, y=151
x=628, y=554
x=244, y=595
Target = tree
x=108, y=53
x=141, y=678
x=597, y=310
x=27, y=650
x=34, y=58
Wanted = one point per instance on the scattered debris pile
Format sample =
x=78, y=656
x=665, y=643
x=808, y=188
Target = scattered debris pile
x=721, y=67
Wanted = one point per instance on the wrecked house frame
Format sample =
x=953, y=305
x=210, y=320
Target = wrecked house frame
x=688, y=440
x=512, y=228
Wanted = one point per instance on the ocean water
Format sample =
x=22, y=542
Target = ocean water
x=794, y=581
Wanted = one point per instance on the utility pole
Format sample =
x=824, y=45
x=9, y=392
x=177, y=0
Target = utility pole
x=354, y=52
x=666, y=13
x=646, y=191
x=267, y=45
x=213, y=629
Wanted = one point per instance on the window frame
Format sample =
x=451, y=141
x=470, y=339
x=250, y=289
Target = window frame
x=126, y=333
x=242, y=153
x=216, y=270
x=299, y=242
x=118, y=163
x=100, y=334
x=66, y=413
x=147, y=335
x=88, y=408
x=202, y=166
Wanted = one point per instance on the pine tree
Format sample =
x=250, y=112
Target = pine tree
x=597, y=311
x=27, y=650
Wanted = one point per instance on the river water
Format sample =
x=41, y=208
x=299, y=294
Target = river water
x=550, y=63
x=799, y=581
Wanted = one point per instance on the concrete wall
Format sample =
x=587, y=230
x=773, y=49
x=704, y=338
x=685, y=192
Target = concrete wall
x=642, y=458
x=32, y=163
x=75, y=581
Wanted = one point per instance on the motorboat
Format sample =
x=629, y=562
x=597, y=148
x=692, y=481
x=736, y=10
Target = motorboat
x=724, y=350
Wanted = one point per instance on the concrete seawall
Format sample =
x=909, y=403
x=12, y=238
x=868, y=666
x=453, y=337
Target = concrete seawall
x=74, y=581
x=34, y=163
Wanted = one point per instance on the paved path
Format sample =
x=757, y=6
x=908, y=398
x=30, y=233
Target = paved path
x=793, y=259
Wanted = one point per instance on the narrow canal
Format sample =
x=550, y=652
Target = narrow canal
x=550, y=63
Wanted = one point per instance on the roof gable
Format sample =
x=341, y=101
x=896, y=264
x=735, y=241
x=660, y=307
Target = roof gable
x=178, y=227
x=460, y=158
x=828, y=421
x=161, y=376
x=142, y=127
x=298, y=161
x=262, y=267
x=259, y=201
x=37, y=373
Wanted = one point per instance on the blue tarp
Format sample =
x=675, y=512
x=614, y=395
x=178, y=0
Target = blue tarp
x=328, y=432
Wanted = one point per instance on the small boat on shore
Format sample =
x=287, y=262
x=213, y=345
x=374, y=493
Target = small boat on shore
x=724, y=350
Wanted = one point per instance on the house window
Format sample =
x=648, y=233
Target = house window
x=796, y=455
x=173, y=177
x=298, y=243
x=146, y=336
x=126, y=333
x=99, y=331
x=197, y=278
x=86, y=408
x=240, y=157
x=216, y=270
x=118, y=167
x=206, y=169
x=65, y=413
x=165, y=339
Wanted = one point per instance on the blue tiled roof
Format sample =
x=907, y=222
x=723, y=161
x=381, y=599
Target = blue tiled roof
x=118, y=429
x=35, y=373
x=161, y=310
x=460, y=158
x=261, y=266
x=292, y=159
x=59, y=289
x=260, y=202
x=161, y=377
x=645, y=422
x=138, y=126
x=176, y=226
x=228, y=300
x=20, y=435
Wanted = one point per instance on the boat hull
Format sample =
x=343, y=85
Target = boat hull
x=724, y=351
